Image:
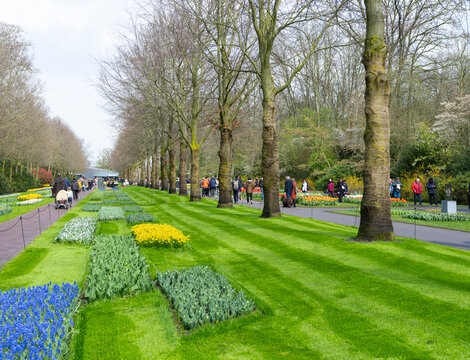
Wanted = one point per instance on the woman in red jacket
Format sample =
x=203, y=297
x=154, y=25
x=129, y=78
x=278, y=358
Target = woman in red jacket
x=293, y=196
x=417, y=188
x=330, y=188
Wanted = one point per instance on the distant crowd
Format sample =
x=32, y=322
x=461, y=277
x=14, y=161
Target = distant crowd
x=72, y=187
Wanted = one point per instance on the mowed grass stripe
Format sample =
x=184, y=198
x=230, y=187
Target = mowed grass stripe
x=437, y=311
x=367, y=257
x=361, y=329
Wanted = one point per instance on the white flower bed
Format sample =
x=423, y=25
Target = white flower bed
x=108, y=213
x=28, y=202
x=78, y=230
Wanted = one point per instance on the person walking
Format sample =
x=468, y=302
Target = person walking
x=340, y=189
x=236, y=188
x=391, y=187
x=250, y=184
x=75, y=188
x=69, y=195
x=304, y=187
x=397, y=185
x=261, y=188
x=294, y=192
x=330, y=188
x=288, y=187
x=417, y=188
x=212, y=186
x=431, y=188
x=205, y=186
x=59, y=184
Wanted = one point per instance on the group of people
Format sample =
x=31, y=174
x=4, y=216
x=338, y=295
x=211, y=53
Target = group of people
x=249, y=186
x=417, y=188
x=341, y=189
x=71, y=187
x=209, y=186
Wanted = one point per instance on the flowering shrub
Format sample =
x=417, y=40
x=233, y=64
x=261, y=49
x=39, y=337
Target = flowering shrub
x=159, y=235
x=201, y=296
x=44, y=176
x=139, y=218
x=108, y=213
x=117, y=268
x=91, y=207
x=29, y=197
x=78, y=230
x=318, y=201
x=36, y=322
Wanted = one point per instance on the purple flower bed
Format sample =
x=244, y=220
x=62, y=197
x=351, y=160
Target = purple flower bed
x=36, y=322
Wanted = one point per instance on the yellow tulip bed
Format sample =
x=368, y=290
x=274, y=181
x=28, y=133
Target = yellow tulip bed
x=29, y=197
x=159, y=235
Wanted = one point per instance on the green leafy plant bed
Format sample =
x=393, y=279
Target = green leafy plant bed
x=109, y=194
x=127, y=201
x=97, y=195
x=91, y=207
x=139, y=218
x=110, y=201
x=132, y=208
x=78, y=230
x=433, y=216
x=108, y=213
x=117, y=268
x=202, y=296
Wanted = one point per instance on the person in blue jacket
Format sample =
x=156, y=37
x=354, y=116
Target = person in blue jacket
x=431, y=188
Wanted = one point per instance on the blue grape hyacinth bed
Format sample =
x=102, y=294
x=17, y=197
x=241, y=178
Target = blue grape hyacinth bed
x=36, y=322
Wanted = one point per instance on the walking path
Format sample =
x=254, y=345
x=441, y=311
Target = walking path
x=452, y=238
x=34, y=222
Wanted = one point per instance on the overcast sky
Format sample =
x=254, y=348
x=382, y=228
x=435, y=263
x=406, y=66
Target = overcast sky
x=67, y=36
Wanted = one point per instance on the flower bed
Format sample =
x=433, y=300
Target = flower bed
x=28, y=202
x=352, y=199
x=160, y=235
x=37, y=322
x=5, y=209
x=117, y=268
x=91, y=207
x=139, y=218
x=318, y=201
x=127, y=202
x=29, y=197
x=201, y=296
x=110, y=201
x=433, y=216
x=79, y=230
x=97, y=195
x=108, y=213
x=398, y=202
x=132, y=208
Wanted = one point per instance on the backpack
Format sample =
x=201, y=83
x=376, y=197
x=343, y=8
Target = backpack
x=235, y=185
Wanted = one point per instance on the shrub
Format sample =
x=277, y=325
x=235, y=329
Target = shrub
x=107, y=213
x=3, y=184
x=23, y=181
x=44, y=176
x=161, y=235
x=117, y=268
x=132, y=208
x=37, y=322
x=91, y=207
x=139, y=218
x=201, y=296
x=78, y=230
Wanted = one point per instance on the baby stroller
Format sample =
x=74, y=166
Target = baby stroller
x=61, y=200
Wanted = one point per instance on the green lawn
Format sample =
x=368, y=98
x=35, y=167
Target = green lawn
x=453, y=225
x=23, y=209
x=318, y=296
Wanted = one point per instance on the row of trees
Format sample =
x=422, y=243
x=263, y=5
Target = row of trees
x=189, y=69
x=30, y=137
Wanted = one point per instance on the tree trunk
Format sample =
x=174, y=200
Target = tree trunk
x=195, y=189
x=155, y=172
x=183, y=168
x=163, y=169
x=149, y=172
x=142, y=172
x=376, y=222
x=172, y=158
x=225, y=168
x=11, y=170
x=270, y=157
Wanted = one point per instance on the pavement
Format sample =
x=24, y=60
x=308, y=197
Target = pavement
x=31, y=225
x=446, y=237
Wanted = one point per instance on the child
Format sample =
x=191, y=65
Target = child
x=70, y=195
